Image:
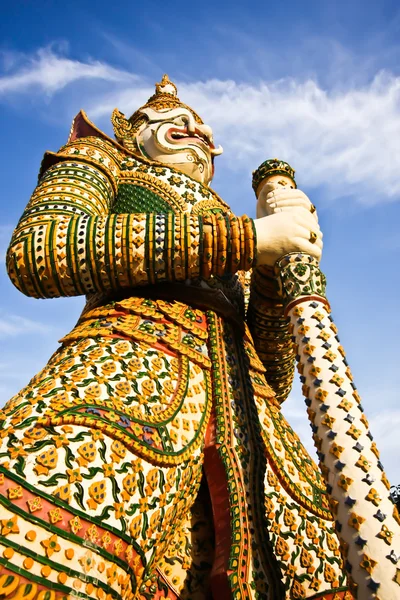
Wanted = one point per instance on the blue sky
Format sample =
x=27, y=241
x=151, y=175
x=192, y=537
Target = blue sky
x=316, y=83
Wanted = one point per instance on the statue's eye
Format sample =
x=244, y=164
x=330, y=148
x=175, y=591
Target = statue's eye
x=181, y=120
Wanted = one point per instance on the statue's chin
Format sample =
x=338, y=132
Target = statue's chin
x=192, y=170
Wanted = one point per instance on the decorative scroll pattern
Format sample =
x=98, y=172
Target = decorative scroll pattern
x=111, y=432
x=106, y=434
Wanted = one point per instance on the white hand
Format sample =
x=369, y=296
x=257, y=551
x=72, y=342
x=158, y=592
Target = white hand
x=284, y=232
x=275, y=198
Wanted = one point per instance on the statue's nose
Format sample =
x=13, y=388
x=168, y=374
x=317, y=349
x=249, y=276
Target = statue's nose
x=208, y=134
x=206, y=131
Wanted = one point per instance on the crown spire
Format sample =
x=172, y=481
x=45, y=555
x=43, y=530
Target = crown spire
x=165, y=86
x=164, y=98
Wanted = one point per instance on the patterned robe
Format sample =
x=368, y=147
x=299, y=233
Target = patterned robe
x=150, y=458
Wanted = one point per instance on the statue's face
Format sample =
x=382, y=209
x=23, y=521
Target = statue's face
x=174, y=138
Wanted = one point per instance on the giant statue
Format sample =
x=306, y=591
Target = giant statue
x=150, y=457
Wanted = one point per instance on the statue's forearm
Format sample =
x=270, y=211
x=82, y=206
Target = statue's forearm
x=67, y=243
x=271, y=332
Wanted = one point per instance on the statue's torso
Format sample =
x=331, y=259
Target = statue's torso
x=151, y=188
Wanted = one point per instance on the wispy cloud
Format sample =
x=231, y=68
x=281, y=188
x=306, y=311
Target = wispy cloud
x=49, y=72
x=341, y=139
x=14, y=325
x=345, y=141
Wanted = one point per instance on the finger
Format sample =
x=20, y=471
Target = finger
x=299, y=216
x=289, y=192
x=293, y=203
x=287, y=207
x=305, y=234
x=275, y=189
x=305, y=218
x=268, y=188
x=319, y=243
x=307, y=248
x=290, y=199
x=263, y=209
x=283, y=193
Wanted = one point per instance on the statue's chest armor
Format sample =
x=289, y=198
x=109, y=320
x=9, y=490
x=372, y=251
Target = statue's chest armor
x=158, y=189
x=147, y=188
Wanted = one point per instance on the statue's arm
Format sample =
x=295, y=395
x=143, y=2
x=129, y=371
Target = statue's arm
x=265, y=315
x=69, y=243
x=59, y=245
x=270, y=330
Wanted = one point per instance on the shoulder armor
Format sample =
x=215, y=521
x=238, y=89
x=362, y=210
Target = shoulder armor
x=88, y=144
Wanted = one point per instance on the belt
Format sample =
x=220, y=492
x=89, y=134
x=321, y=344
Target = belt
x=197, y=297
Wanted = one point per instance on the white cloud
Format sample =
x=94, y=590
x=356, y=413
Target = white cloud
x=14, y=325
x=50, y=72
x=346, y=141
x=343, y=140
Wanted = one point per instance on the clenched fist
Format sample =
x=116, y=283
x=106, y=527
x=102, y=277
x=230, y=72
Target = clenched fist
x=275, y=198
x=286, y=222
x=287, y=231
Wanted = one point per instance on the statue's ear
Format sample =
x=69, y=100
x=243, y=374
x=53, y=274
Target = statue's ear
x=122, y=127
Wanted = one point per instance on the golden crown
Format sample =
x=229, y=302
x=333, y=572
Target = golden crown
x=165, y=98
